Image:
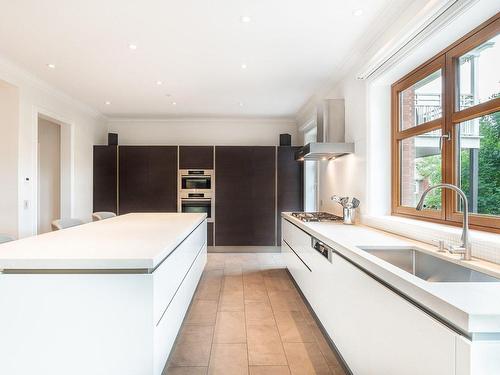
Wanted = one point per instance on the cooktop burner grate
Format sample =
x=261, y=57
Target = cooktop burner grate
x=316, y=216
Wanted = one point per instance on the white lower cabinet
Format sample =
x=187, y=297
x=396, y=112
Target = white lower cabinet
x=376, y=330
x=165, y=331
x=295, y=245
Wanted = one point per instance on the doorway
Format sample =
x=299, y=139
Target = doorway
x=49, y=174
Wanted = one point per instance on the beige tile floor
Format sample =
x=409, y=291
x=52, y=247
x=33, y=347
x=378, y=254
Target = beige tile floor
x=247, y=317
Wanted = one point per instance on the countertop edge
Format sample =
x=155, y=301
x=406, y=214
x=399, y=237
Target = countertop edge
x=141, y=265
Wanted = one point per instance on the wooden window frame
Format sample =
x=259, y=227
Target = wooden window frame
x=446, y=60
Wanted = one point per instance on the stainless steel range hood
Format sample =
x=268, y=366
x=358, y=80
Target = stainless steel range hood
x=323, y=151
x=330, y=140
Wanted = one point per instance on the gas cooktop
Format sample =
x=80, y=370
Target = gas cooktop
x=316, y=216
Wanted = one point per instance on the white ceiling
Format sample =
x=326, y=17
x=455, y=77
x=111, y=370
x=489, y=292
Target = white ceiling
x=195, y=47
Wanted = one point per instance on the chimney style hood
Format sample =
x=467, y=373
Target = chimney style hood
x=323, y=151
x=330, y=124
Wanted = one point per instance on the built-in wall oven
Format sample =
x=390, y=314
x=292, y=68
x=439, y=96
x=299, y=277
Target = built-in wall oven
x=198, y=203
x=199, y=180
x=196, y=191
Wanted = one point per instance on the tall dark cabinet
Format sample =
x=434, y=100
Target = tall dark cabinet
x=245, y=210
x=147, y=179
x=290, y=189
x=105, y=178
x=196, y=157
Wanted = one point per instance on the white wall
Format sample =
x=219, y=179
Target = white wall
x=346, y=175
x=49, y=174
x=9, y=124
x=86, y=128
x=366, y=174
x=254, y=132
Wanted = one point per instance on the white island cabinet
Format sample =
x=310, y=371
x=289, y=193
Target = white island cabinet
x=104, y=298
x=384, y=324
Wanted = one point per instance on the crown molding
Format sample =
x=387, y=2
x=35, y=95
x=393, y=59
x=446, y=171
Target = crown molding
x=17, y=76
x=202, y=119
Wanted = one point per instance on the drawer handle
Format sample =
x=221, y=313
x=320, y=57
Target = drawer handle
x=310, y=270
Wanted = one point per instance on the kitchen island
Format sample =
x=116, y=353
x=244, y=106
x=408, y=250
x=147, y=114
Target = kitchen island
x=102, y=298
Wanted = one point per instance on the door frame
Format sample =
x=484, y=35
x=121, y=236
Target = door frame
x=67, y=202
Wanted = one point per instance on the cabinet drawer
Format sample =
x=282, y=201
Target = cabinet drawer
x=296, y=245
x=168, y=277
x=297, y=239
x=318, y=269
x=295, y=266
x=375, y=328
x=167, y=329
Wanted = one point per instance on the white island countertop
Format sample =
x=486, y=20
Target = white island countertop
x=138, y=241
x=472, y=307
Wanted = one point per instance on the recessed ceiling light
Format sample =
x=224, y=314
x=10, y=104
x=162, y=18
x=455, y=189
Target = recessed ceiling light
x=174, y=103
x=51, y=66
x=107, y=102
x=245, y=19
x=358, y=12
x=159, y=83
x=133, y=47
x=244, y=66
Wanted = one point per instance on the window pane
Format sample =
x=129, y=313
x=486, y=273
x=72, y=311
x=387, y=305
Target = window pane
x=479, y=74
x=421, y=102
x=420, y=168
x=479, y=164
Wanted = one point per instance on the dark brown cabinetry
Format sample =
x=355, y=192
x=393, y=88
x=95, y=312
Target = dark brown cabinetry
x=245, y=209
x=147, y=179
x=210, y=234
x=253, y=185
x=290, y=184
x=196, y=157
x=105, y=178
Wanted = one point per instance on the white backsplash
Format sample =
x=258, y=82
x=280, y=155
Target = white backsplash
x=485, y=245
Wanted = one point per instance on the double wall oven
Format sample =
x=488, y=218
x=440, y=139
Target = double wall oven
x=196, y=191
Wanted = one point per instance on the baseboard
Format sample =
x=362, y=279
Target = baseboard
x=244, y=249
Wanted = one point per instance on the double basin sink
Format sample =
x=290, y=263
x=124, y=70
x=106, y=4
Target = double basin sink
x=428, y=267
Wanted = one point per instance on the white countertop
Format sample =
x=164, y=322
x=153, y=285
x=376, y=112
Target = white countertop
x=132, y=241
x=472, y=307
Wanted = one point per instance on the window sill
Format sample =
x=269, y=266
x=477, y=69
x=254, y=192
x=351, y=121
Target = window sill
x=485, y=245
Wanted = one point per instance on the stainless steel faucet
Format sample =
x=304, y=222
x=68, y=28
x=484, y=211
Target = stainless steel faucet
x=465, y=249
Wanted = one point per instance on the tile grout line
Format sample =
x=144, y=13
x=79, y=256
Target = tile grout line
x=245, y=321
x=277, y=328
x=213, y=332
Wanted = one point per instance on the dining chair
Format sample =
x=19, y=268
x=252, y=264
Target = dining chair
x=5, y=238
x=102, y=215
x=66, y=223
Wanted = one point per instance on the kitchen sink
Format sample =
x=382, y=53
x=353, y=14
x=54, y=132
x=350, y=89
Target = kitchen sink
x=428, y=267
